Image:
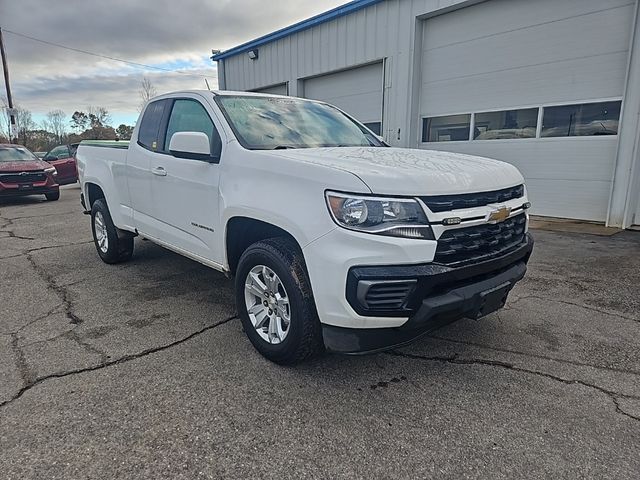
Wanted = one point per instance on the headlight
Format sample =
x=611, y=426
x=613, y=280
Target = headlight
x=51, y=170
x=395, y=217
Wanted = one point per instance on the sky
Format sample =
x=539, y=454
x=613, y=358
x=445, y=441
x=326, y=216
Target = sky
x=173, y=35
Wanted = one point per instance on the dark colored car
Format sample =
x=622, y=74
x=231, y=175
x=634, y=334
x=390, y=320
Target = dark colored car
x=22, y=173
x=63, y=158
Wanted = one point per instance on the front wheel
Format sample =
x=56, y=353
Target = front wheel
x=113, y=246
x=275, y=302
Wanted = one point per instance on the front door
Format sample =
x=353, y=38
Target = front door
x=140, y=156
x=185, y=193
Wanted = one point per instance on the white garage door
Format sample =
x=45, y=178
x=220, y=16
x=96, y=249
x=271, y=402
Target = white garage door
x=280, y=89
x=357, y=91
x=495, y=65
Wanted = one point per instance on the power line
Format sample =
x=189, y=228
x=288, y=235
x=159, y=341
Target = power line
x=128, y=62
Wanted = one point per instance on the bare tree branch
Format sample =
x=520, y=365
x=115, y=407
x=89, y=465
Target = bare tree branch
x=147, y=92
x=56, y=123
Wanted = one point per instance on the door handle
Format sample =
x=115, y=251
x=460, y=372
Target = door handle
x=160, y=171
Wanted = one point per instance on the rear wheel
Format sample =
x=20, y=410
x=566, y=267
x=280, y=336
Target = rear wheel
x=52, y=197
x=113, y=245
x=275, y=302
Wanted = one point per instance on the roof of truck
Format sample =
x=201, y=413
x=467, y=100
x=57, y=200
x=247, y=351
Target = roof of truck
x=248, y=94
x=223, y=93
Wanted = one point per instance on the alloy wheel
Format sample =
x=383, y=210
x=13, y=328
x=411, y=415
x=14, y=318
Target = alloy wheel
x=267, y=304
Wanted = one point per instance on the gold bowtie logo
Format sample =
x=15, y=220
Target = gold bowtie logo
x=500, y=214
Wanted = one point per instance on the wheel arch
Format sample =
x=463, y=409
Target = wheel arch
x=241, y=232
x=93, y=192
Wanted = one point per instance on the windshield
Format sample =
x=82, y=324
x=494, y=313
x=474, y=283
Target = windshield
x=16, y=154
x=268, y=123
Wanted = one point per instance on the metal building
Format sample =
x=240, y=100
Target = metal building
x=551, y=86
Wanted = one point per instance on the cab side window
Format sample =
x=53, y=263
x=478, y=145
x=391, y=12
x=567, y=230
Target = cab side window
x=190, y=116
x=149, y=133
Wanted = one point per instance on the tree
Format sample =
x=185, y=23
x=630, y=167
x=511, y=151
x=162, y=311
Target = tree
x=24, y=125
x=99, y=132
x=79, y=121
x=55, y=123
x=99, y=117
x=27, y=132
x=147, y=92
x=96, y=117
x=42, y=140
x=5, y=122
x=124, y=132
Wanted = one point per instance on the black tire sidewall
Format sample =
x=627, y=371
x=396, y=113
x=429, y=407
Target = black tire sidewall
x=112, y=253
x=281, y=352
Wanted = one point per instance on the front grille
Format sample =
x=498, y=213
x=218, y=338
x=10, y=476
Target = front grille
x=27, y=177
x=444, y=203
x=385, y=295
x=481, y=241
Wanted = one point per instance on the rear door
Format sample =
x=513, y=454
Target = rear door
x=185, y=192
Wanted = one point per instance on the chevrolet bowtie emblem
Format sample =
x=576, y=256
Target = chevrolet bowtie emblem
x=498, y=215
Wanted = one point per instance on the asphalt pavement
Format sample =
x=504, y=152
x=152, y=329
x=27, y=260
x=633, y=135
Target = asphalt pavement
x=141, y=370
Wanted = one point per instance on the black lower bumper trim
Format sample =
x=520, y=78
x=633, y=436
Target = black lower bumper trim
x=31, y=191
x=362, y=341
x=432, y=278
x=472, y=291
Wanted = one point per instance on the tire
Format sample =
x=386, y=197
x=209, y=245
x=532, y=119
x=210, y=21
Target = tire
x=52, y=197
x=303, y=338
x=118, y=246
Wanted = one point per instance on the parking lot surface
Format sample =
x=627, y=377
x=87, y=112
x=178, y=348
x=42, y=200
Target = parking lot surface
x=141, y=370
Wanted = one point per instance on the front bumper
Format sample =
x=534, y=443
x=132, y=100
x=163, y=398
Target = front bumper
x=14, y=191
x=442, y=295
x=17, y=184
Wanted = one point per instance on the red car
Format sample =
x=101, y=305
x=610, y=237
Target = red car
x=63, y=158
x=22, y=173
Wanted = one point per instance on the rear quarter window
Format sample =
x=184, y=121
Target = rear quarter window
x=149, y=132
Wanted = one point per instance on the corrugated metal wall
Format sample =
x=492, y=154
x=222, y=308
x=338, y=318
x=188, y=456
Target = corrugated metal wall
x=507, y=54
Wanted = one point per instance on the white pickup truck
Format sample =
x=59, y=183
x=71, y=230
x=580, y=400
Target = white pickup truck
x=335, y=239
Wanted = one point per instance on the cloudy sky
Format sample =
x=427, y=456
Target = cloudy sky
x=172, y=35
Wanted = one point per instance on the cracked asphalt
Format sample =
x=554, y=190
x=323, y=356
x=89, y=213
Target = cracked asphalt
x=142, y=370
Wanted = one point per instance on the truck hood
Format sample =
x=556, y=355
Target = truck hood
x=23, y=166
x=403, y=171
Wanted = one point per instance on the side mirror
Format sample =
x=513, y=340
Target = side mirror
x=191, y=145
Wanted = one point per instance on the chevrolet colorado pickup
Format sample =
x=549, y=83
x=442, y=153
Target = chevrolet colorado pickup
x=336, y=240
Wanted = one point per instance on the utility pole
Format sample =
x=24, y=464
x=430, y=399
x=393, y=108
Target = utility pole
x=5, y=69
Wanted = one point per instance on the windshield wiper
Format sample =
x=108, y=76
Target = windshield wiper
x=282, y=147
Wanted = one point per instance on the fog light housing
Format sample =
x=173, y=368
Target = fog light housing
x=384, y=295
